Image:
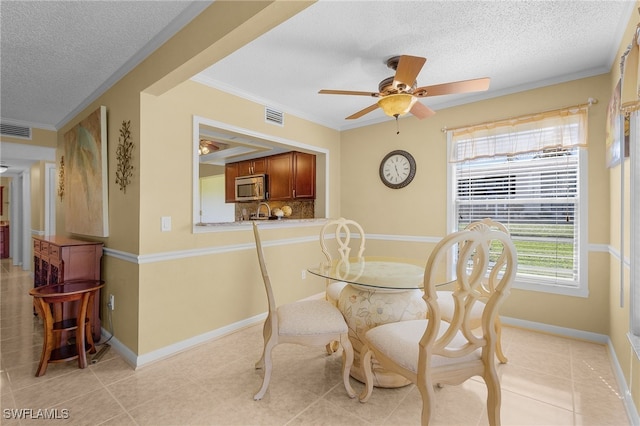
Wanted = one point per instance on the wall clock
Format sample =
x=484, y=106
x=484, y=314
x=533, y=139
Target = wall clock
x=397, y=169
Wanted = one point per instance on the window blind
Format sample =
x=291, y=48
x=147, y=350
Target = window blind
x=532, y=187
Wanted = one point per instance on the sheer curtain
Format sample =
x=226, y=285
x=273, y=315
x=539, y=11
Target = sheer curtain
x=559, y=129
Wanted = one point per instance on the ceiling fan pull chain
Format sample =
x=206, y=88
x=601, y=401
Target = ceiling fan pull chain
x=397, y=125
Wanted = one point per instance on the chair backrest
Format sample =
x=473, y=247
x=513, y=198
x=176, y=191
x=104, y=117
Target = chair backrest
x=474, y=264
x=495, y=249
x=341, y=247
x=265, y=275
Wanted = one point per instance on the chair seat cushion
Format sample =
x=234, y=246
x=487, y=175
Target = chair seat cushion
x=399, y=341
x=310, y=317
x=334, y=289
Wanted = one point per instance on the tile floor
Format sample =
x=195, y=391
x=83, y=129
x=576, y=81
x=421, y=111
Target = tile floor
x=549, y=380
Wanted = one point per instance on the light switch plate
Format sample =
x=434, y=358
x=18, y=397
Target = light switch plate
x=166, y=223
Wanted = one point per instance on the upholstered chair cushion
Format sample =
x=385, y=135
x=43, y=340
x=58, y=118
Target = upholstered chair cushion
x=398, y=340
x=447, y=307
x=310, y=317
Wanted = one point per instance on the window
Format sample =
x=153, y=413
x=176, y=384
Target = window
x=527, y=173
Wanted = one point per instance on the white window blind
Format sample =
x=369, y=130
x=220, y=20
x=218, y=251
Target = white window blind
x=523, y=177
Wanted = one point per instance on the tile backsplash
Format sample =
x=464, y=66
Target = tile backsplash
x=300, y=209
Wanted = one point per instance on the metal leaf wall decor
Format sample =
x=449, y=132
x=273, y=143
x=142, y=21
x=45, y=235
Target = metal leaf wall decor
x=123, y=154
x=61, y=179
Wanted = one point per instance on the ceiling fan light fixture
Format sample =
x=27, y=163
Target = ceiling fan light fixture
x=397, y=104
x=3, y=168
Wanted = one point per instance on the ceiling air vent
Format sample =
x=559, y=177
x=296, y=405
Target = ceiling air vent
x=15, y=131
x=274, y=117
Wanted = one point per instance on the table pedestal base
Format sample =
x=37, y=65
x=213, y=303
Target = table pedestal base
x=365, y=308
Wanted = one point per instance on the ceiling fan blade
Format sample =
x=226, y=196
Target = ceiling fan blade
x=465, y=86
x=408, y=69
x=421, y=111
x=360, y=113
x=348, y=92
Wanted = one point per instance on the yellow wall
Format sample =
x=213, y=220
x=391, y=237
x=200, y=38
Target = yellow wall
x=619, y=318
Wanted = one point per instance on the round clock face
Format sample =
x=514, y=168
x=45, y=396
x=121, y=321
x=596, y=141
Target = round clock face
x=397, y=169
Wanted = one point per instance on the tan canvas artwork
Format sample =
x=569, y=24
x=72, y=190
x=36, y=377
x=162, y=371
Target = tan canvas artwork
x=86, y=182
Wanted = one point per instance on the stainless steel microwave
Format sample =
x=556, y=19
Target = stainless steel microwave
x=250, y=188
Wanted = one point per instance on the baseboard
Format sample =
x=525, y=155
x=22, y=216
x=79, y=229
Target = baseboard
x=137, y=361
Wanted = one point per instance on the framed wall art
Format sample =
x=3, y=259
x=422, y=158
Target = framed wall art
x=86, y=183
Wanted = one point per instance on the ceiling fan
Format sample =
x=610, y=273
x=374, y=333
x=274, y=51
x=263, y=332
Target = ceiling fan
x=399, y=94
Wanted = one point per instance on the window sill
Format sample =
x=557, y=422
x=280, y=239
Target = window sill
x=565, y=291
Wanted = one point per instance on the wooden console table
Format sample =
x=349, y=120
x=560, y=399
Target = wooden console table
x=58, y=259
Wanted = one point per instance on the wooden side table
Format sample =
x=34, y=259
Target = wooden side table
x=52, y=303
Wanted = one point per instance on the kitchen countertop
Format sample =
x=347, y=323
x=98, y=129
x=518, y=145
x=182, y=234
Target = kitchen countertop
x=245, y=224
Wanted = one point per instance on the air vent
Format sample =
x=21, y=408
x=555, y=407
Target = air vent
x=15, y=131
x=274, y=117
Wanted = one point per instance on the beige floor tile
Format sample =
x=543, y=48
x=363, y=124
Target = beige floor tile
x=543, y=387
x=59, y=389
x=109, y=371
x=91, y=408
x=531, y=356
x=323, y=412
x=599, y=401
x=518, y=410
x=549, y=380
x=185, y=405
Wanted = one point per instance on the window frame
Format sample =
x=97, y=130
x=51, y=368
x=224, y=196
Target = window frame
x=582, y=285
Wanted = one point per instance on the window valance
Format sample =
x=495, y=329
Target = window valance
x=558, y=129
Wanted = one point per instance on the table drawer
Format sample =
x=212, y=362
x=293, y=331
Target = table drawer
x=44, y=248
x=54, y=252
x=36, y=246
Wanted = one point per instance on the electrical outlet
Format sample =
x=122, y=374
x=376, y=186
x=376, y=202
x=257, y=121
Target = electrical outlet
x=303, y=274
x=112, y=302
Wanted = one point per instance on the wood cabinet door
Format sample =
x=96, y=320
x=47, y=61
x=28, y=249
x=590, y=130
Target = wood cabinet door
x=304, y=175
x=259, y=166
x=280, y=170
x=244, y=168
x=252, y=167
x=230, y=174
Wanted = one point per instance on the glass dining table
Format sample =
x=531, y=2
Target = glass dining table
x=379, y=290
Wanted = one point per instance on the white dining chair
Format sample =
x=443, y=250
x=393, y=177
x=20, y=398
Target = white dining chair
x=313, y=322
x=447, y=306
x=336, y=243
x=430, y=351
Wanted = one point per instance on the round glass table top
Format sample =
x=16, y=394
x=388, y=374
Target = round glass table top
x=375, y=271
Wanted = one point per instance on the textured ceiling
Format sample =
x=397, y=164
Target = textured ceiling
x=344, y=45
x=58, y=56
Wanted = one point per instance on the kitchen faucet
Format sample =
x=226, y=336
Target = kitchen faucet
x=268, y=210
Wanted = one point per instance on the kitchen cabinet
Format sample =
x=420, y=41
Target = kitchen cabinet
x=252, y=167
x=280, y=171
x=304, y=175
x=59, y=259
x=230, y=175
x=292, y=175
